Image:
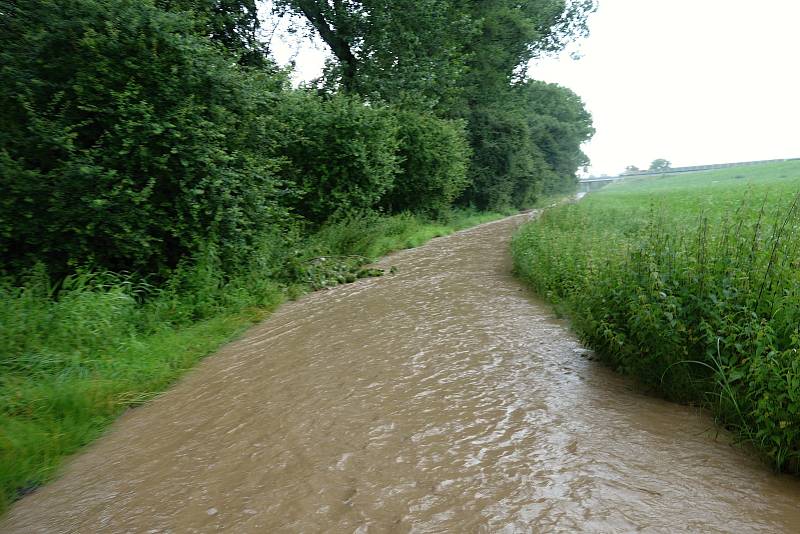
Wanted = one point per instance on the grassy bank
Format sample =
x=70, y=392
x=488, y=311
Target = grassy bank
x=690, y=283
x=73, y=357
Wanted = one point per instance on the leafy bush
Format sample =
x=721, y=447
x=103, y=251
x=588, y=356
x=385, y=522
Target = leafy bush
x=342, y=154
x=525, y=145
x=435, y=156
x=125, y=142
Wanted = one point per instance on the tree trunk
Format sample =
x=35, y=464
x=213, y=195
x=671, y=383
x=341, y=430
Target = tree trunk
x=338, y=45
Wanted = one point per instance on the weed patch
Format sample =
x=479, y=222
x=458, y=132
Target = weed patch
x=691, y=284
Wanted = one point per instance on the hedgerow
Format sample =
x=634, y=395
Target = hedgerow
x=162, y=184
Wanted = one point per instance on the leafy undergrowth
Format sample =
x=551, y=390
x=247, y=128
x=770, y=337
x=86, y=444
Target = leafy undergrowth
x=75, y=356
x=691, y=284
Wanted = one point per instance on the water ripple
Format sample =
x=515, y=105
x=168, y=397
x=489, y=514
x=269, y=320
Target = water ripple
x=441, y=398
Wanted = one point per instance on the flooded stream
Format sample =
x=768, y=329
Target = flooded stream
x=443, y=398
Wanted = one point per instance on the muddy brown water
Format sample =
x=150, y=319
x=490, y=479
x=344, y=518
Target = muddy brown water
x=443, y=398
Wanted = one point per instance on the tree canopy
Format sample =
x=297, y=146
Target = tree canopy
x=395, y=50
x=234, y=24
x=467, y=60
x=139, y=132
x=659, y=165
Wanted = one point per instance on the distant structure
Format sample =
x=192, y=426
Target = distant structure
x=590, y=184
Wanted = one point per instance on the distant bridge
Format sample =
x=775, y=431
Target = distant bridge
x=593, y=184
x=588, y=185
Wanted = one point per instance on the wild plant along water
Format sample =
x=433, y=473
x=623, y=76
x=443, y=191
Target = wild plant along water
x=74, y=355
x=695, y=291
x=158, y=168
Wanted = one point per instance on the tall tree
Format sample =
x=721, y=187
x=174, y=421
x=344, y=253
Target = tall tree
x=511, y=33
x=508, y=165
x=432, y=45
x=461, y=60
x=232, y=23
x=403, y=51
x=660, y=165
x=559, y=123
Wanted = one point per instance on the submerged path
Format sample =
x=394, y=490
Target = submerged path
x=442, y=398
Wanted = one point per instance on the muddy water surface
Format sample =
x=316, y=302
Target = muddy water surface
x=439, y=399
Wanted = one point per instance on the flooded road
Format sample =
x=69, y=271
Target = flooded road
x=442, y=398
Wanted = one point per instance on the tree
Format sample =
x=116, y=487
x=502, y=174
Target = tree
x=528, y=146
x=396, y=50
x=660, y=165
x=128, y=140
x=631, y=169
x=510, y=33
x=509, y=131
x=463, y=60
x=559, y=123
x=435, y=47
x=232, y=23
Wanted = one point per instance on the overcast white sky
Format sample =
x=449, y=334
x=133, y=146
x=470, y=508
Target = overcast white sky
x=692, y=81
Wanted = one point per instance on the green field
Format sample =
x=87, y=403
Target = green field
x=690, y=283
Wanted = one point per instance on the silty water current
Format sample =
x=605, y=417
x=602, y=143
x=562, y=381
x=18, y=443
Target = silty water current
x=443, y=398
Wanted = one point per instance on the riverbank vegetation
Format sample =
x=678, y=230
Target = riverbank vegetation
x=691, y=284
x=163, y=185
x=78, y=354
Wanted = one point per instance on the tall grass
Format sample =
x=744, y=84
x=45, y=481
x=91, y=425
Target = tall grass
x=692, y=285
x=74, y=355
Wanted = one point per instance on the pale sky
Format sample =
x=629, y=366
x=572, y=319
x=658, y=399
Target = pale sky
x=692, y=81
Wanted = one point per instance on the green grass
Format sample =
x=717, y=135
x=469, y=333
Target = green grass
x=690, y=283
x=372, y=236
x=75, y=356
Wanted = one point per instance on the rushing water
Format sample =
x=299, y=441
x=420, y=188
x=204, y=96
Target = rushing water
x=442, y=398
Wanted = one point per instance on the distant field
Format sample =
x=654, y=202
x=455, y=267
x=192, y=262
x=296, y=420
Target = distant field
x=718, y=190
x=691, y=283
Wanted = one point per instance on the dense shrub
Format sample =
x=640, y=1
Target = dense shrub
x=125, y=142
x=342, y=153
x=129, y=142
x=526, y=144
x=435, y=157
x=505, y=170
